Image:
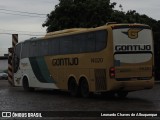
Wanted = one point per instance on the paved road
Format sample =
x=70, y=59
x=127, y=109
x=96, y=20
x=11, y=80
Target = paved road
x=15, y=99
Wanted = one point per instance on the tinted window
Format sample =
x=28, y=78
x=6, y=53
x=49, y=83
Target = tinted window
x=90, y=42
x=34, y=48
x=79, y=45
x=66, y=45
x=54, y=46
x=25, y=49
x=73, y=44
x=101, y=40
x=17, y=50
x=43, y=47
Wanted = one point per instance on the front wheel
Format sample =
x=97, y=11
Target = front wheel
x=26, y=85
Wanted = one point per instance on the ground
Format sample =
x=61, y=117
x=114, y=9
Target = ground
x=16, y=99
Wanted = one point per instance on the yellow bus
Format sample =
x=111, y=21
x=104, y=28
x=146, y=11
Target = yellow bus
x=116, y=58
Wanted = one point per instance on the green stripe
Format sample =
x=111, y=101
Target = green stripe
x=40, y=69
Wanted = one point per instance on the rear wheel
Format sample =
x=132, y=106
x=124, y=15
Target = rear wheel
x=26, y=85
x=73, y=87
x=84, y=88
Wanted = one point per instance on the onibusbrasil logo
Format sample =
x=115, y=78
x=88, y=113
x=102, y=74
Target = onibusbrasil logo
x=21, y=115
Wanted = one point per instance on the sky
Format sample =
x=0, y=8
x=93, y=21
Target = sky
x=27, y=16
x=23, y=23
x=149, y=7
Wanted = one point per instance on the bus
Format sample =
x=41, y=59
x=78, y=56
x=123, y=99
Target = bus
x=114, y=58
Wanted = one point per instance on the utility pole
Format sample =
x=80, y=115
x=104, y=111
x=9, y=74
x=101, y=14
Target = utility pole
x=10, y=59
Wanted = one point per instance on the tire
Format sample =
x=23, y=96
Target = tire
x=73, y=88
x=84, y=88
x=122, y=94
x=26, y=85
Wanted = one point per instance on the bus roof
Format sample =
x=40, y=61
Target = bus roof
x=112, y=25
x=65, y=31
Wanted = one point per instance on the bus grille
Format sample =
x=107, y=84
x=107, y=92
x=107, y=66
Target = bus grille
x=100, y=76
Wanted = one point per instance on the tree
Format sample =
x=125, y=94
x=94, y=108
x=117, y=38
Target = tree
x=79, y=13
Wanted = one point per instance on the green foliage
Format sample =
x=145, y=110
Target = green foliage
x=79, y=13
x=92, y=13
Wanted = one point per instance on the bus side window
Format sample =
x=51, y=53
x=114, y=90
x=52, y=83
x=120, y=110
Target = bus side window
x=79, y=45
x=42, y=48
x=53, y=46
x=34, y=49
x=101, y=40
x=66, y=45
x=16, y=63
x=25, y=51
x=90, y=42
